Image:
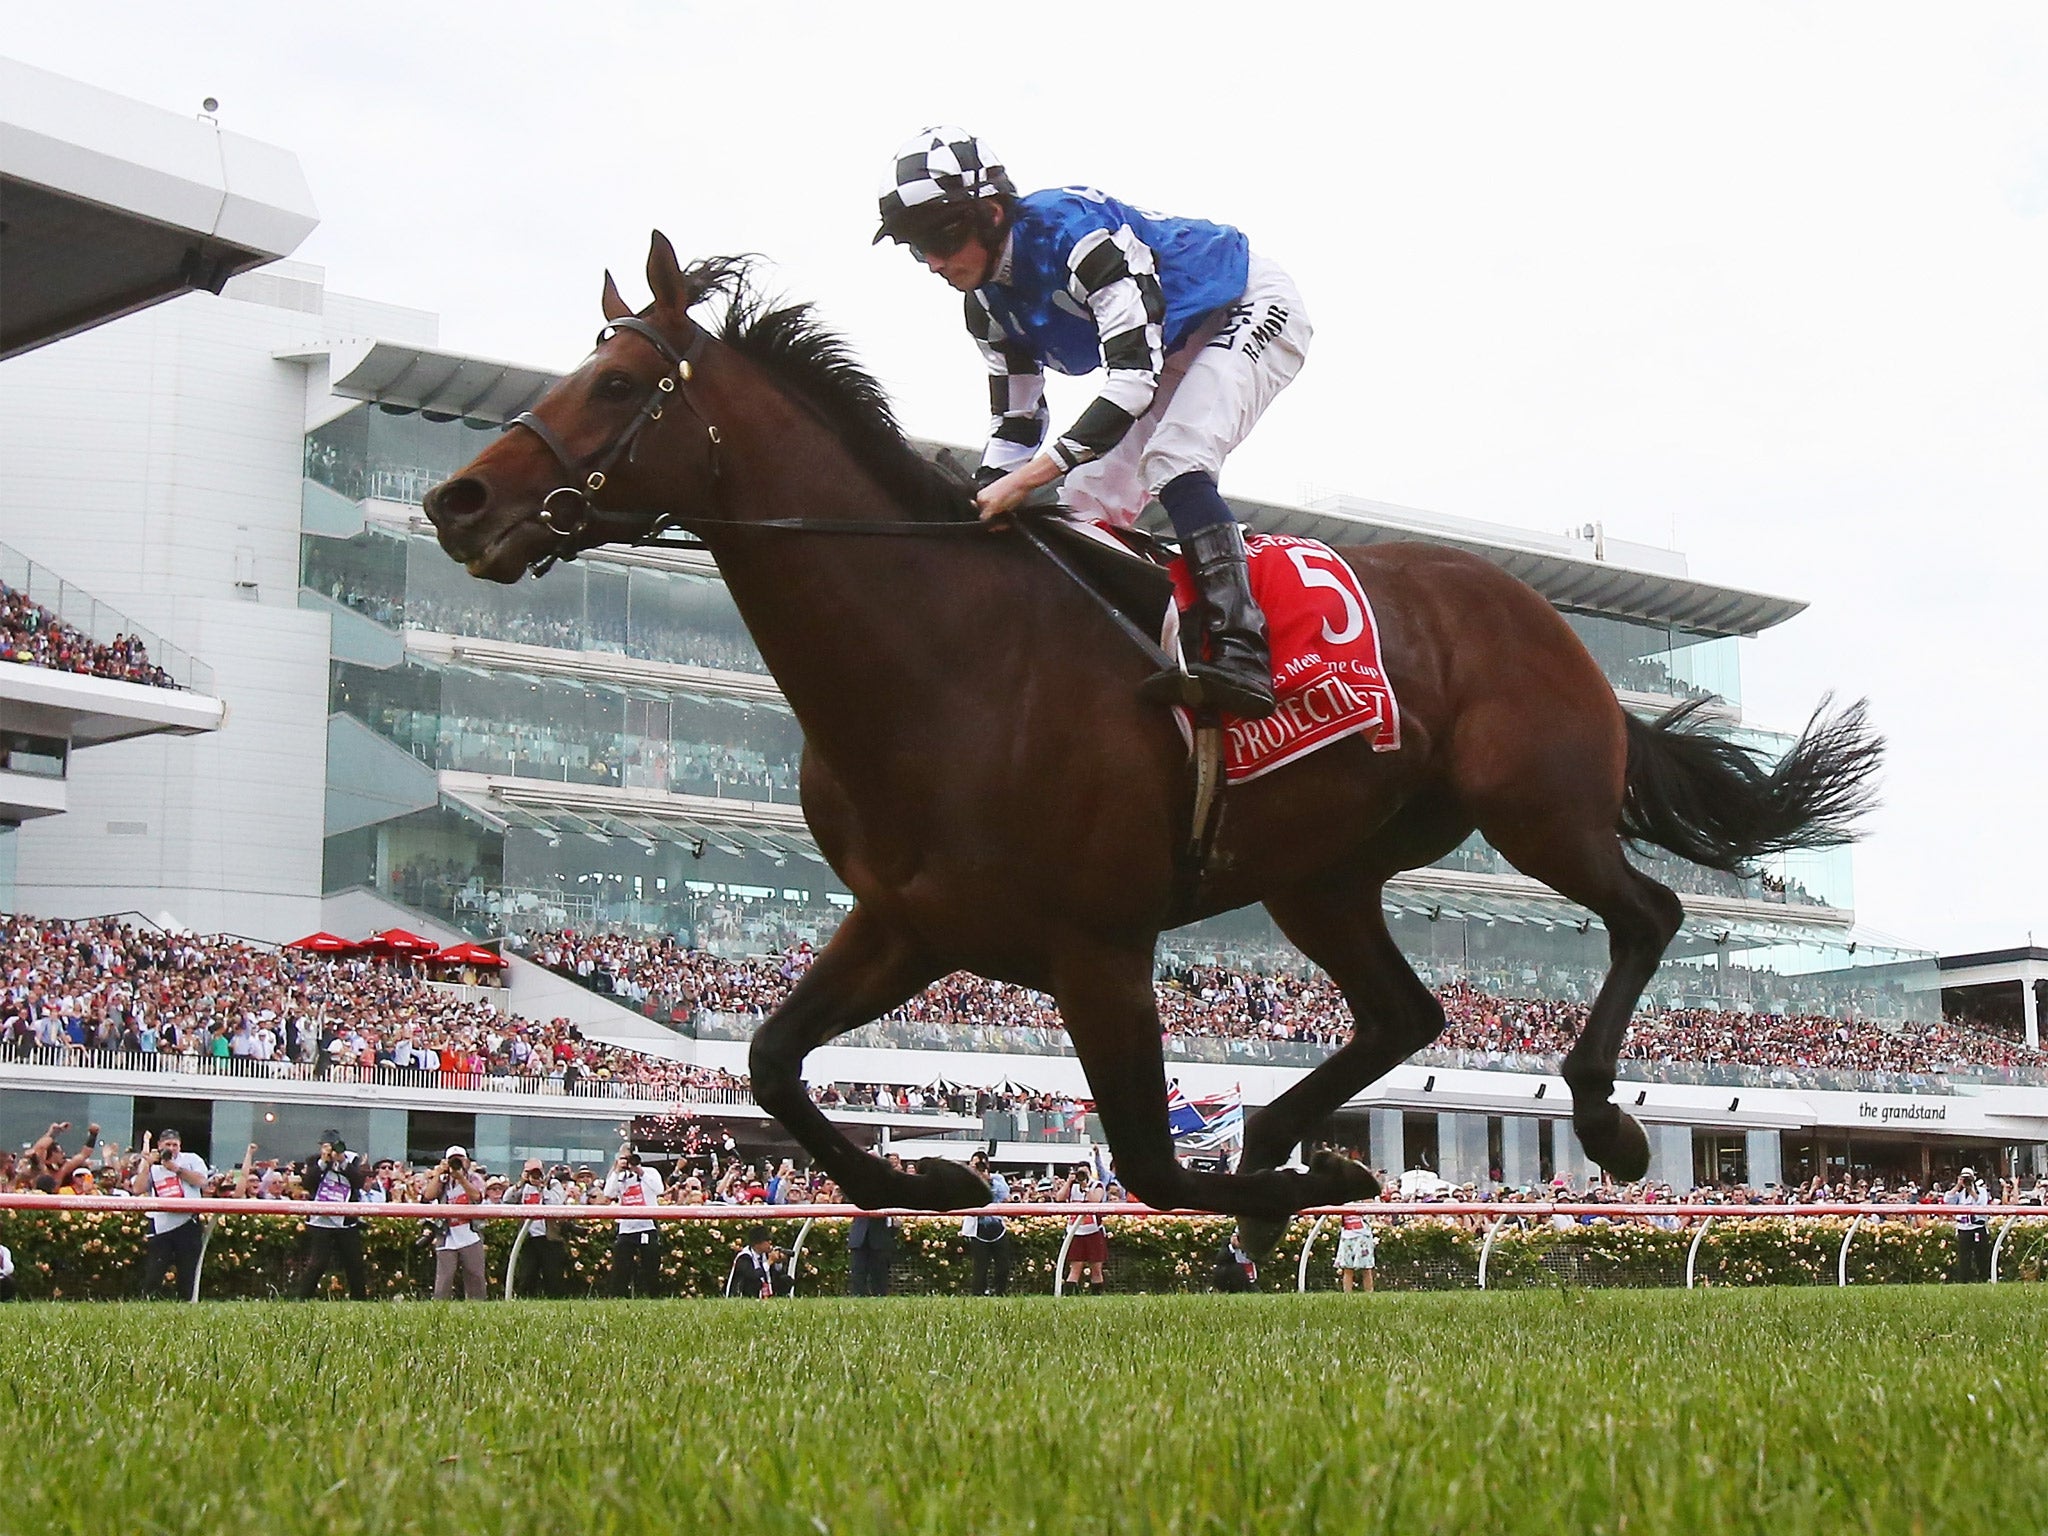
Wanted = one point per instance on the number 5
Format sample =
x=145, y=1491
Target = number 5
x=1314, y=576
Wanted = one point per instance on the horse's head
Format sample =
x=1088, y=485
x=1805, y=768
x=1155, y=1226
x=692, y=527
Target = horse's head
x=570, y=474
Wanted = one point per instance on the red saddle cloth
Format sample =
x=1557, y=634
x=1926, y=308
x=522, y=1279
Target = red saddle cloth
x=1326, y=658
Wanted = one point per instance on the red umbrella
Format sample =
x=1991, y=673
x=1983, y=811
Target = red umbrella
x=465, y=954
x=399, y=942
x=324, y=944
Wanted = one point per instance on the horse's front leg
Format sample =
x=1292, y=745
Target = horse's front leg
x=865, y=971
x=1112, y=1015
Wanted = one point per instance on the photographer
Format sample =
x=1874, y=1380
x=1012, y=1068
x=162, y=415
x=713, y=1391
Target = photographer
x=336, y=1175
x=988, y=1237
x=543, y=1255
x=457, y=1245
x=636, y=1249
x=169, y=1172
x=1973, y=1234
x=760, y=1270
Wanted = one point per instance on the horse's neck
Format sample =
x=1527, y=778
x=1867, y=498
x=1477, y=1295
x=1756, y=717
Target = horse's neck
x=865, y=634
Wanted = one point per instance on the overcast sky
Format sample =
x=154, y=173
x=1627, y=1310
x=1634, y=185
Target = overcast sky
x=1769, y=283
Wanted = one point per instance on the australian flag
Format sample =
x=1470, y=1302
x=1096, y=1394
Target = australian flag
x=1181, y=1115
x=1206, y=1125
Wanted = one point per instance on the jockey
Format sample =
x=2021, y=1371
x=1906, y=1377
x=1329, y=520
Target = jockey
x=1196, y=335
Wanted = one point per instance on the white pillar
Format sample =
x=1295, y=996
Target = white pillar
x=1384, y=1142
x=2030, y=1006
x=1461, y=1148
x=1520, y=1150
x=1671, y=1156
x=1764, y=1152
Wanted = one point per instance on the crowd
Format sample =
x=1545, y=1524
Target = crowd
x=70, y=990
x=34, y=636
x=1208, y=1002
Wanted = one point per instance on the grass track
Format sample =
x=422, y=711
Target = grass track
x=1777, y=1412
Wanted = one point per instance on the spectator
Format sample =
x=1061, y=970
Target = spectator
x=871, y=1249
x=1087, y=1238
x=636, y=1246
x=988, y=1237
x=336, y=1175
x=175, y=1239
x=1355, y=1249
x=458, y=1245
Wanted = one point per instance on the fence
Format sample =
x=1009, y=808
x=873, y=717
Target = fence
x=92, y=1248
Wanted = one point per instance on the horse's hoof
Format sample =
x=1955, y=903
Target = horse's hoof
x=1259, y=1236
x=945, y=1186
x=1355, y=1181
x=1618, y=1145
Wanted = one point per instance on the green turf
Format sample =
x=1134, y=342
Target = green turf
x=1778, y=1412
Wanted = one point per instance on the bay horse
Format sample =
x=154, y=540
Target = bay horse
x=980, y=772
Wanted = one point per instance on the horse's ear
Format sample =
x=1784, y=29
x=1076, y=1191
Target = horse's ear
x=615, y=308
x=665, y=275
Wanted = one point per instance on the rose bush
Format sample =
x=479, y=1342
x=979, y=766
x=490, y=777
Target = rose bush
x=72, y=1255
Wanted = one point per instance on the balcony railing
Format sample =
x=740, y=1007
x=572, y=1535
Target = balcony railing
x=96, y=620
x=903, y=1034
x=515, y=1085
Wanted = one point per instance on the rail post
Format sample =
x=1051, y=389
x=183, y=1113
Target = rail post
x=199, y=1264
x=796, y=1251
x=1998, y=1244
x=512, y=1259
x=1486, y=1248
x=1692, y=1254
x=1842, y=1260
x=1059, y=1265
x=1307, y=1244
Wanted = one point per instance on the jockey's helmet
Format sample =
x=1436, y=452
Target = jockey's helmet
x=936, y=178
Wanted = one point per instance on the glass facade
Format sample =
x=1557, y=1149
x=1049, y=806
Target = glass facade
x=1660, y=659
x=402, y=580
x=577, y=731
x=489, y=881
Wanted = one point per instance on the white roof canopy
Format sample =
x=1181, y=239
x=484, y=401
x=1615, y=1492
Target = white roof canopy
x=111, y=205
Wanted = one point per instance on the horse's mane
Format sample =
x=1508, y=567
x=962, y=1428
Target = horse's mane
x=813, y=363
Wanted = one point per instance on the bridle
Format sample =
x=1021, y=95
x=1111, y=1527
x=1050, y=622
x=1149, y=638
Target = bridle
x=568, y=511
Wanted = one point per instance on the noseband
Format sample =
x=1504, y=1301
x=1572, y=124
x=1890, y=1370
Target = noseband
x=568, y=511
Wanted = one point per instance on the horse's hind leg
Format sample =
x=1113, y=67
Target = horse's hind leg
x=865, y=971
x=1112, y=1016
x=1589, y=867
x=1337, y=921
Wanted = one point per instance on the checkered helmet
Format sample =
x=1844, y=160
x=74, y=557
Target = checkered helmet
x=939, y=166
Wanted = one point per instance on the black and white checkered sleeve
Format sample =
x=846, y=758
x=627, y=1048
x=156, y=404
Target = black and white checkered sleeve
x=1018, y=418
x=1115, y=276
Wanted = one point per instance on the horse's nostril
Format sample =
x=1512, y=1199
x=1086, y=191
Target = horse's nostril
x=454, y=500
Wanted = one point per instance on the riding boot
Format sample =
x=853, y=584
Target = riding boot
x=1237, y=676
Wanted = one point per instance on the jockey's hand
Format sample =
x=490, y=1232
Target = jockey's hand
x=1011, y=492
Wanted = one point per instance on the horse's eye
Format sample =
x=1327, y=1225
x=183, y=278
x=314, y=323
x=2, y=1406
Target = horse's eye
x=616, y=386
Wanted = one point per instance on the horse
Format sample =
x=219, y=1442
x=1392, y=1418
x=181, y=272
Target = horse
x=980, y=772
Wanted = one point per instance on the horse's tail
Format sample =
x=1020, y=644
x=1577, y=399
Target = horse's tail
x=1707, y=799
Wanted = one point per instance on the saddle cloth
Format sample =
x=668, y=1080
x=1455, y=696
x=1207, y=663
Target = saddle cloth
x=1326, y=659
